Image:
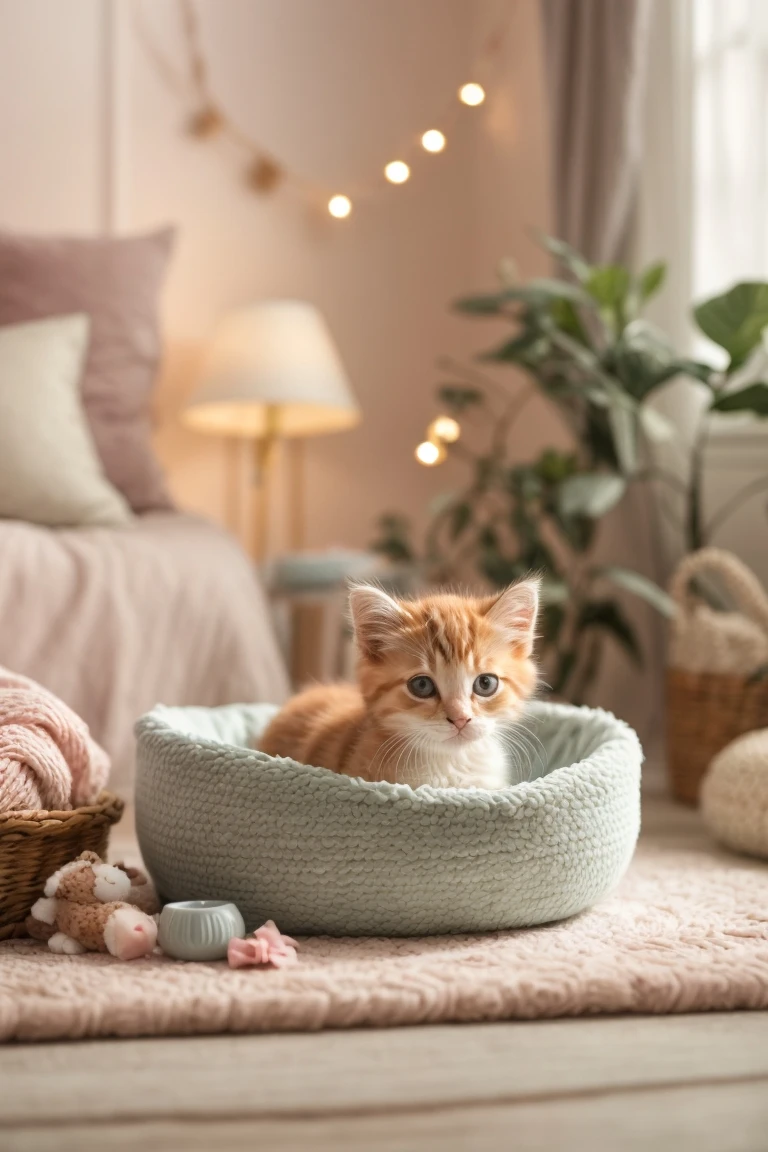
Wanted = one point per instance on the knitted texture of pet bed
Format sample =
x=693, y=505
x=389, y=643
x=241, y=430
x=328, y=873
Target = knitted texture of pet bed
x=327, y=854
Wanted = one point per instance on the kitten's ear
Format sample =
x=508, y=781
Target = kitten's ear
x=375, y=616
x=515, y=611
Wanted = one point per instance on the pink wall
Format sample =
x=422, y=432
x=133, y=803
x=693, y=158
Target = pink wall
x=92, y=138
x=335, y=88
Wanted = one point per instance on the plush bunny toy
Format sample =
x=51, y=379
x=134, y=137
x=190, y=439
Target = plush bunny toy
x=84, y=910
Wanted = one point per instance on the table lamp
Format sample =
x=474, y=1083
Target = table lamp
x=271, y=371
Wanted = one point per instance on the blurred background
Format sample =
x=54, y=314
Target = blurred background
x=592, y=443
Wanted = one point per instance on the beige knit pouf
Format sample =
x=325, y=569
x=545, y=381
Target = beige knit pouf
x=734, y=794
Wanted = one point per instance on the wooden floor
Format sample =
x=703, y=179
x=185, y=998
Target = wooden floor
x=619, y=1084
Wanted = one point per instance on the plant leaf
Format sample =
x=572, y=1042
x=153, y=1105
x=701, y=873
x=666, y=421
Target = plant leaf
x=608, y=284
x=622, y=419
x=567, y=319
x=553, y=466
x=441, y=504
x=693, y=520
x=484, y=470
x=615, y=394
x=394, y=538
x=552, y=620
x=512, y=351
x=640, y=586
x=579, y=531
x=537, y=292
x=753, y=398
x=461, y=518
x=488, y=537
x=641, y=358
x=568, y=256
x=488, y=304
x=500, y=570
x=694, y=368
x=624, y=430
x=565, y=668
x=651, y=280
x=581, y=354
x=599, y=440
x=546, y=288
x=736, y=319
x=538, y=558
x=459, y=397
x=656, y=426
x=554, y=591
x=591, y=494
x=524, y=482
x=609, y=617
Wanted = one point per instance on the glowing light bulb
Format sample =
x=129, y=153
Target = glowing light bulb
x=397, y=172
x=433, y=140
x=444, y=428
x=340, y=206
x=472, y=94
x=428, y=453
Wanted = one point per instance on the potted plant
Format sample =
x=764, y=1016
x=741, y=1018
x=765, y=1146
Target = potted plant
x=582, y=342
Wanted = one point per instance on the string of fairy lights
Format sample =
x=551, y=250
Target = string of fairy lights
x=443, y=430
x=262, y=171
x=398, y=171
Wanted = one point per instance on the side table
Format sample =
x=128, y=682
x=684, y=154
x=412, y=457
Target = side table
x=309, y=594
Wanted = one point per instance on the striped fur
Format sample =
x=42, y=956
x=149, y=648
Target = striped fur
x=380, y=730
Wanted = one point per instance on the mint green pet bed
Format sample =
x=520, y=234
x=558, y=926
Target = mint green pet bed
x=322, y=853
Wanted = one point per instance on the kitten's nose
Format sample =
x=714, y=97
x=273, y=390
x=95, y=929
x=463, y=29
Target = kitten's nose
x=459, y=721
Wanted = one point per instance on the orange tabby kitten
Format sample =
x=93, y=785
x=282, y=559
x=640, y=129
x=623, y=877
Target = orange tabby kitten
x=439, y=680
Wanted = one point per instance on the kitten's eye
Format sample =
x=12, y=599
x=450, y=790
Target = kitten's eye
x=485, y=684
x=422, y=687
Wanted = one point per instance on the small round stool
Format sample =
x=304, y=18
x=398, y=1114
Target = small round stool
x=734, y=794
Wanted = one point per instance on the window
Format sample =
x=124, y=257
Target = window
x=730, y=143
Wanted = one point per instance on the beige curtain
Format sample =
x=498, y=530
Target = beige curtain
x=595, y=66
x=595, y=55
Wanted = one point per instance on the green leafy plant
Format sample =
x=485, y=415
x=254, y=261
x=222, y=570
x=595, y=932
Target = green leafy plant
x=582, y=342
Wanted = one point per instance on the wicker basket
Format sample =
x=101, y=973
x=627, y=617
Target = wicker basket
x=706, y=710
x=34, y=844
x=704, y=713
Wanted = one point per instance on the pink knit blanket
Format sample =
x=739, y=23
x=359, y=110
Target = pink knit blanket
x=48, y=760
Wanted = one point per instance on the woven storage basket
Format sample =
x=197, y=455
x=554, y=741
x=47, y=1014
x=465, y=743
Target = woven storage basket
x=34, y=844
x=712, y=693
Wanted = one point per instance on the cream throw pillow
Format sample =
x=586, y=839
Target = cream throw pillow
x=49, y=471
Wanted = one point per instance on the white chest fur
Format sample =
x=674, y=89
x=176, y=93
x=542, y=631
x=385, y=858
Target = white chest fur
x=482, y=764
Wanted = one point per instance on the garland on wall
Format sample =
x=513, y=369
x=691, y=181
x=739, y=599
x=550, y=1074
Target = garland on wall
x=263, y=172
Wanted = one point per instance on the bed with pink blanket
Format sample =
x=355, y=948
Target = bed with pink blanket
x=116, y=620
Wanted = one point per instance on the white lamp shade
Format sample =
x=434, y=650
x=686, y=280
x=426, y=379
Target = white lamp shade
x=273, y=368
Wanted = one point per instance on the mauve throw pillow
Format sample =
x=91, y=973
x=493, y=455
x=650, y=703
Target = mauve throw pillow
x=116, y=281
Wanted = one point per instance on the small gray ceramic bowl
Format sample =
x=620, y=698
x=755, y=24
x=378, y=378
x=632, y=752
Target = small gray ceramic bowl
x=199, y=929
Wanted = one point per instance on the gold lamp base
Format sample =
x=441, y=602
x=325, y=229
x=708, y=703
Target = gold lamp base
x=264, y=451
x=261, y=454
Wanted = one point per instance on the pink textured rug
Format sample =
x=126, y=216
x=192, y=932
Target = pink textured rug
x=686, y=932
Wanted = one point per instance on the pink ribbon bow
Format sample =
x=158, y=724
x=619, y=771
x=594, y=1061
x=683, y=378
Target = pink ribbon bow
x=266, y=946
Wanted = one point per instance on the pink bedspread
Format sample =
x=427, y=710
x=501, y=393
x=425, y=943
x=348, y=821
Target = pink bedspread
x=116, y=620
